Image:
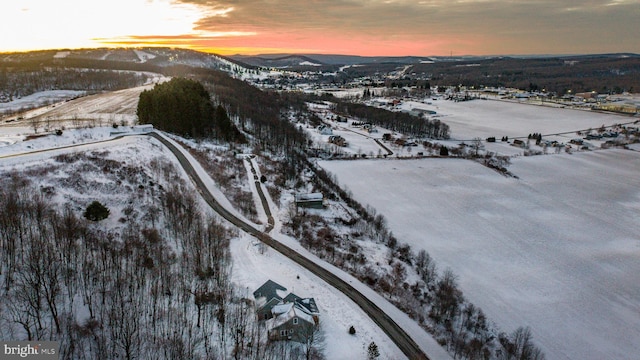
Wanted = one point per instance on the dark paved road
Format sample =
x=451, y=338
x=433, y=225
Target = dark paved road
x=404, y=342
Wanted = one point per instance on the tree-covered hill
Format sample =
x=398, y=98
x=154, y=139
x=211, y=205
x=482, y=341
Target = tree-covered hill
x=183, y=106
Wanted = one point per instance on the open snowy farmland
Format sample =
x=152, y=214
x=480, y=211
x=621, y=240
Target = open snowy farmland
x=557, y=249
x=40, y=99
x=95, y=110
x=485, y=118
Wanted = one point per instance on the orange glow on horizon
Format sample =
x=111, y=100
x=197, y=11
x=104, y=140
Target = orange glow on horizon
x=251, y=42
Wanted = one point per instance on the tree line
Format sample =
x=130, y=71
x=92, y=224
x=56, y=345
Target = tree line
x=395, y=121
x=16, y=83
x=261, y=114
x=25, y=74
x=601, y=73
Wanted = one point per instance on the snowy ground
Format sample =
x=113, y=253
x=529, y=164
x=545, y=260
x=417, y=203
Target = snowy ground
x=12, y=139
x=86, y=112
x=485, y=118
x=40, y=99
x=359, y=141
x=338, y=312
x=557, y=250
x=470, y=120
x=251, y=268
x=346, y=314
x=94, y=110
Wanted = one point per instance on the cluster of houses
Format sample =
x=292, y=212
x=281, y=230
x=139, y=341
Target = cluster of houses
x=286, y=318
x=609, y=138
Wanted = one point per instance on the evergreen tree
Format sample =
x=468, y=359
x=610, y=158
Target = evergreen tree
x=96, y=211
x=372, y=351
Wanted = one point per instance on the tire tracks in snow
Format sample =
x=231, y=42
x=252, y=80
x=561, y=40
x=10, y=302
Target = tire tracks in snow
x=263, y=199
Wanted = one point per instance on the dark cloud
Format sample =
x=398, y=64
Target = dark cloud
x=494, y=26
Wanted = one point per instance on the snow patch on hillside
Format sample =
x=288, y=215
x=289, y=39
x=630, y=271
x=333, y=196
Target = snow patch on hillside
x=308, y=63
x=144, y=56
x=61, y=54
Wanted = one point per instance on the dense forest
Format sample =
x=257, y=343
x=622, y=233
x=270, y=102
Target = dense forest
x=183, y=106
x=263, y=115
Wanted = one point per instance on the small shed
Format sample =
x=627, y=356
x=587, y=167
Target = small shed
x=311, y=200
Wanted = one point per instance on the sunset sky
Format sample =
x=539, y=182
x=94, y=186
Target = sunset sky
x=357, y=27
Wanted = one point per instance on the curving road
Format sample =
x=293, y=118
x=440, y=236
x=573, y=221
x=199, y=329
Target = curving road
x=404, y=342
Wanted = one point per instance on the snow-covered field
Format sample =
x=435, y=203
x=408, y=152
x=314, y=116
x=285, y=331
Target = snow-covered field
x=557, y=250
x=485, y=118
x=470, y=120
x=40, y=99
x=94, y=110
x=12, y=138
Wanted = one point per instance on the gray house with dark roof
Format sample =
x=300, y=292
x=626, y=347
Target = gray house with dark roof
x=266, y=298
x=291, y=298
x=288, y=318
x=269, y=290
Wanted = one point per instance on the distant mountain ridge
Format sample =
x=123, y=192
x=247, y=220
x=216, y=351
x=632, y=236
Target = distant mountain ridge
x=561, y=74
x=288, y=60
x=142, y=57
x=282, y=60
x=164, y=57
